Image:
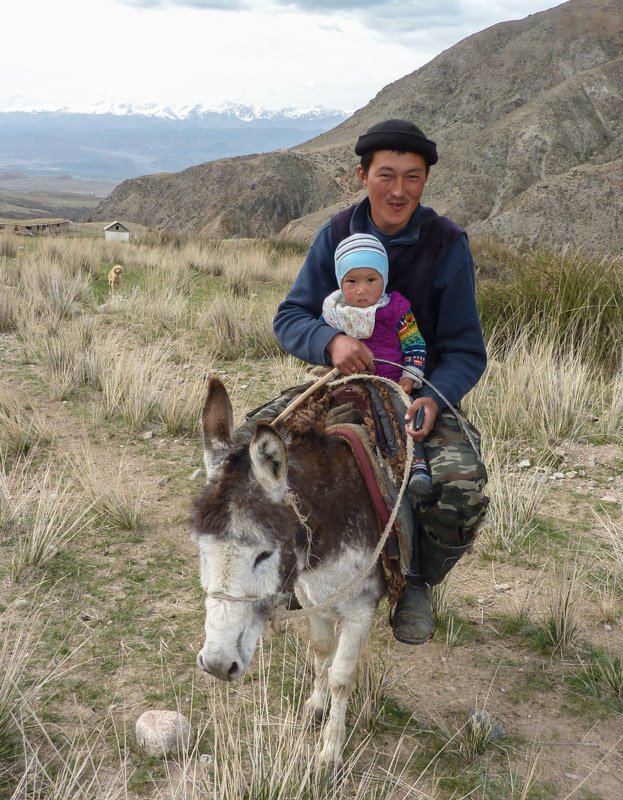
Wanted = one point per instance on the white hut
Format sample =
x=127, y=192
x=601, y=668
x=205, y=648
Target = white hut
x=116, y=232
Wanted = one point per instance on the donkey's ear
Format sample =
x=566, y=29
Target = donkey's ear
x=269, y=457
x=218, y=424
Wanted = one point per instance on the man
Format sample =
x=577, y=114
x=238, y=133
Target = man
x=430, y=263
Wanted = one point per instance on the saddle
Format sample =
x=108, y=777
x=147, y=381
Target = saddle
x=378, y=444
x=377, y=440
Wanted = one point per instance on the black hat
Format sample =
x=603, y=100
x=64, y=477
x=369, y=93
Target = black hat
x=397, y=134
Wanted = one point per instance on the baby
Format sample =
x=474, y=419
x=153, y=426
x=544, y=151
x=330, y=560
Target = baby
x=384, y=322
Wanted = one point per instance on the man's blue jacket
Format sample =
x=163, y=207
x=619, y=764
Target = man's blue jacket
x=453, y=334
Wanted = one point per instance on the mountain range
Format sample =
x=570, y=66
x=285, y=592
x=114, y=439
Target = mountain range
x=111, y=141
x=528, y=119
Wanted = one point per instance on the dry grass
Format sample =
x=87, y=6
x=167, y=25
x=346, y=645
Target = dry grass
x=53, y=518
x=517, y=499
x=190, y=306
x=21, y=428
x=560, y=622
x=534, y=394
x=239, y=328
x=108, y=492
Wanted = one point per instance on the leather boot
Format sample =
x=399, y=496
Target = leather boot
x=413, y=621
x=437, y=559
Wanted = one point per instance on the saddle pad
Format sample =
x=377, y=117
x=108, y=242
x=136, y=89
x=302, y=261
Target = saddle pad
x=383, y=495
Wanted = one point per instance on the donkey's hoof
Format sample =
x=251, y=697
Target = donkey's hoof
x=332, y=744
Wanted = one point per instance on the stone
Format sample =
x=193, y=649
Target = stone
x=160, y=733
x=524, y=463
x=147, y=435
x=608, y=498
x=198, y=473
x=164, y=481
x=483, y=720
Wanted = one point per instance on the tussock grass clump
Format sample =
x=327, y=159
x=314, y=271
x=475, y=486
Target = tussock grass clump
x=9, y=309
x=20, y=429
x=180, y=404
x=263, y=749
x=15, y=642
x=158, y=311
x=533, y=393
x=516, y=501
x=613, y=561
x=52, y=292
x=63, y=354
x=108, y=492
x=9, y=245
x=611, y=416
x=13, y=493
x=57, y=516
x=130, y=383
x=561, y=623
x=239, y=328
x=579, y=299
x=76, y=257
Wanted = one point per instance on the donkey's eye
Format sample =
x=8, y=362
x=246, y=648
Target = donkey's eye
x=262, y=557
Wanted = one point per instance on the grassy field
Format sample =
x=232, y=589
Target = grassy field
x=101, y=611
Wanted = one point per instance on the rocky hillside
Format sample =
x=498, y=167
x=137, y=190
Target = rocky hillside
x=528, y=118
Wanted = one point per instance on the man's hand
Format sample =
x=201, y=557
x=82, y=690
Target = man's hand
x=431, y=409
x=350, y=355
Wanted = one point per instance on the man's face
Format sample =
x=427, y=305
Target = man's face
x=395, y=182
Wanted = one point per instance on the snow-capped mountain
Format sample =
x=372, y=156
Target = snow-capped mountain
x=246, y=113
x=113, y=141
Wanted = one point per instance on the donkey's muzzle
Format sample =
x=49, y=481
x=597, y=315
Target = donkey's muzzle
x=227, y=671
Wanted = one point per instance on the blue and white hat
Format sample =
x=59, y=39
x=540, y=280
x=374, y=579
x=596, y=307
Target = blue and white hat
x=361, y=250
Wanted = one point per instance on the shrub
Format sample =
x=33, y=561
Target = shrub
x=578, y=299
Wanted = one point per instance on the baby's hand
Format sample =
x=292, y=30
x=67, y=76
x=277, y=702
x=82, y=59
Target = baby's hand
x=407, y=384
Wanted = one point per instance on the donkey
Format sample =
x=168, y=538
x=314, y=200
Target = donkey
x=279, y=515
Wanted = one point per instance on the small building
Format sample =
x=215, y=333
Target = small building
x=34, y=227
x=116, y=232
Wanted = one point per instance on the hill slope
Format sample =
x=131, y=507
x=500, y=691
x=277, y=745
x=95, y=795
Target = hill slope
x=528, y=118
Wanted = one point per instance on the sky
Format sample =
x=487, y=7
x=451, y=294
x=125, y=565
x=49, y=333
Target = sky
x=271, y=54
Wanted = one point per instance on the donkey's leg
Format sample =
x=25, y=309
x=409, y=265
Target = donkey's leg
x=356, y=628
x=323, y=641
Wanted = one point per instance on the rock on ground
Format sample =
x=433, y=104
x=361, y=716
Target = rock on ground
x=160, y=733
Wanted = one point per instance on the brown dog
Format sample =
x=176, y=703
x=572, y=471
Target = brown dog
x=114, y=279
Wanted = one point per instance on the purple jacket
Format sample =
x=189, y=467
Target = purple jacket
x=384, y=341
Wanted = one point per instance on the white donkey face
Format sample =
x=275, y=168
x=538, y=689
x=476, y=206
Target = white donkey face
x=240, y=579
x=244, y=529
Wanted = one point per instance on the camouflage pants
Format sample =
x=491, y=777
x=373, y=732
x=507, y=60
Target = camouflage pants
x=457, y=505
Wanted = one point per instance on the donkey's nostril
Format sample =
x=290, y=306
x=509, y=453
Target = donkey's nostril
x=231, y=672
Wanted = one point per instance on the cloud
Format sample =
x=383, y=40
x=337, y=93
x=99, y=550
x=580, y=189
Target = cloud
x=398, y=19
x=207, y=5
